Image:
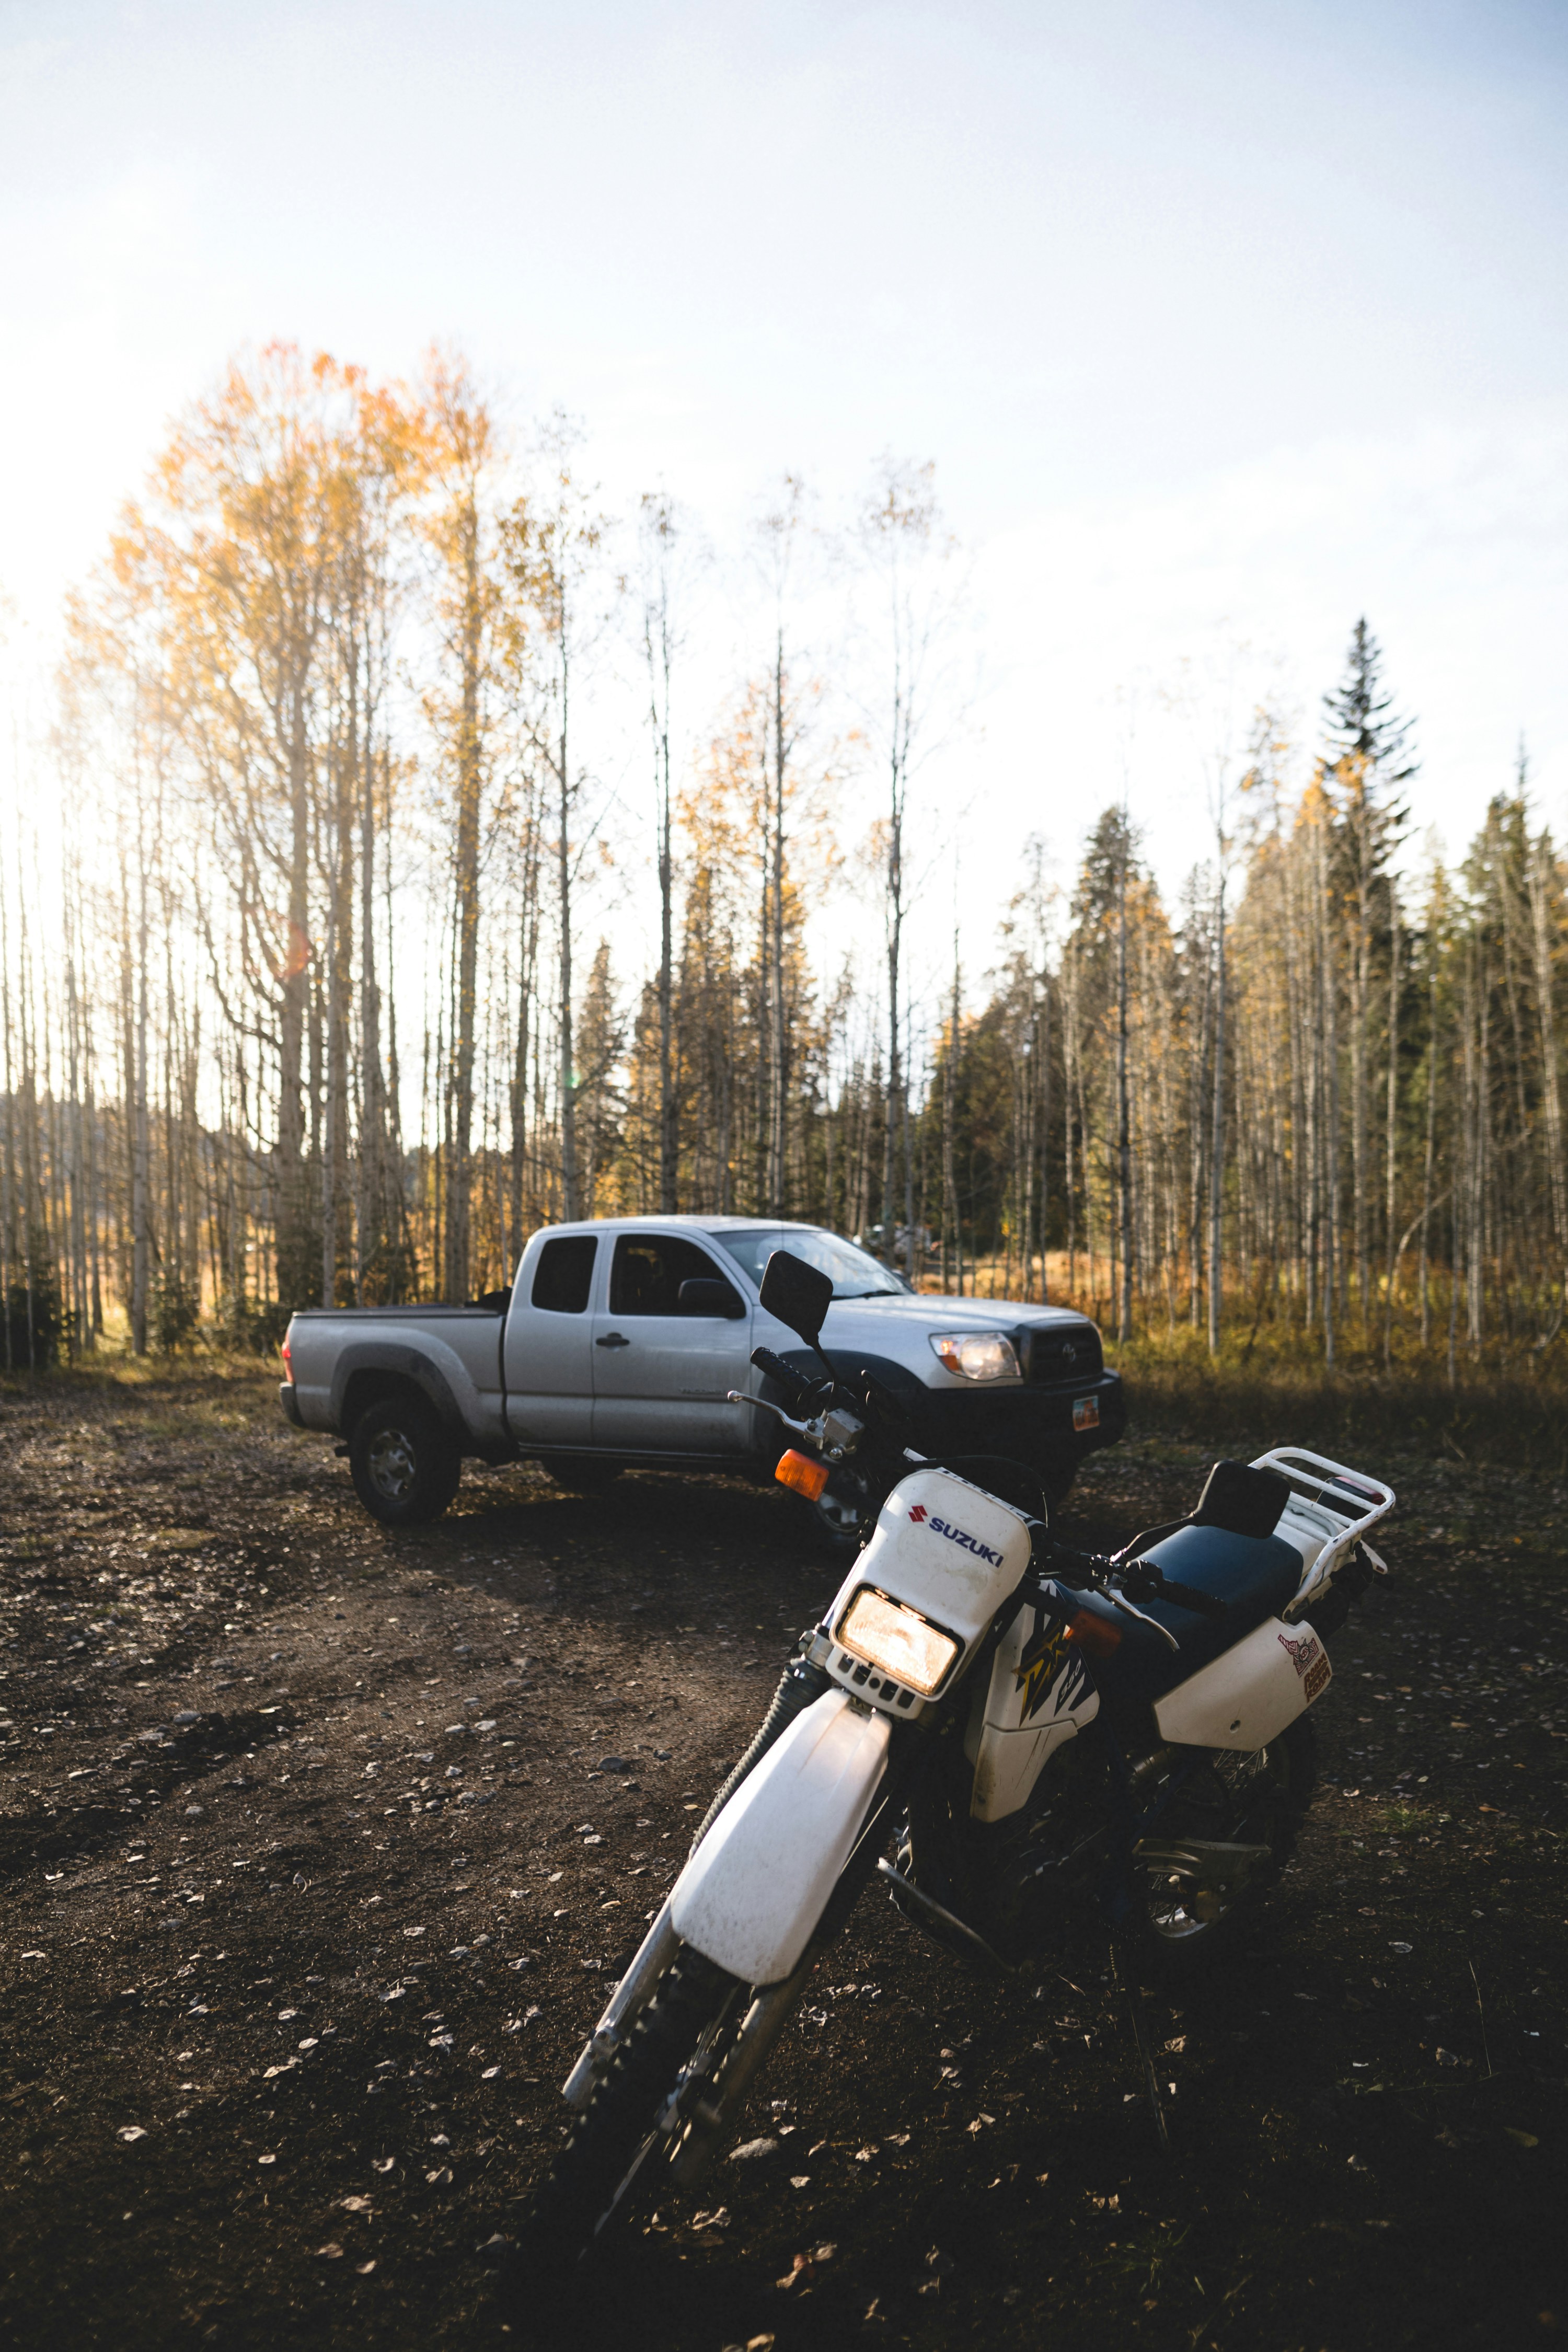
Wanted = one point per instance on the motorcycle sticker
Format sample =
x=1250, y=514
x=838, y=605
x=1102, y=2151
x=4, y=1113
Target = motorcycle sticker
x=1307, y=1657
x=1045, y=1662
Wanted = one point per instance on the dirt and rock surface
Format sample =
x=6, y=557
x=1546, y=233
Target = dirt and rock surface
x=322, y=1846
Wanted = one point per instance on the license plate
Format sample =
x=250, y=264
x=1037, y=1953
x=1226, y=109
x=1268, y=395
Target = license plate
x=1086, y=1413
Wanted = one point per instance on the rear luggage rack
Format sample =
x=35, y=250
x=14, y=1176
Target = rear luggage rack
x=1330, y=1508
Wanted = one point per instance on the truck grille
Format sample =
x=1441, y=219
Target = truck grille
x=1060, y=1354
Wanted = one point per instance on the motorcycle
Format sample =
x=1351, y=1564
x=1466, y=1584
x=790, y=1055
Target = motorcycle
x=1032, y=1730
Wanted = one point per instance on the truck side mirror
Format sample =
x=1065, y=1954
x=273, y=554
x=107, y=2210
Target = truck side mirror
x=703, y=1296
x=797, y=1293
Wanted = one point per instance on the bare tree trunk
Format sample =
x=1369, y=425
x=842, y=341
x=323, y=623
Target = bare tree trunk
x=140, y=1205
x=1123, y=1113
x=1216, y=1150
x=1391, y=1134
x=952, y=1235
x=1430, y=1153
x=1546, y=1014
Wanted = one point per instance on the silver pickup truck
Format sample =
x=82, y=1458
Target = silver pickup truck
x=620, y=1342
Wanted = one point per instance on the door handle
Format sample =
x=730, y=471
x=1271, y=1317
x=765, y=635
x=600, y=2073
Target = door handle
x=611, y=1340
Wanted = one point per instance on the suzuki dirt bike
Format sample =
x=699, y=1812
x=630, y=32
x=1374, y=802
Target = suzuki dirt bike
x=1006, y=1731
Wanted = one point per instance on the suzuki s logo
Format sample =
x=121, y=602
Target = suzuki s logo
x=957, y=1536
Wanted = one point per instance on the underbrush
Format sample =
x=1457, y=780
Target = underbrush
x=1513, y=1412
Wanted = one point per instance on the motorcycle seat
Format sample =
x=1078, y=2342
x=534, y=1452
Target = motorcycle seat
x=1255, y=1576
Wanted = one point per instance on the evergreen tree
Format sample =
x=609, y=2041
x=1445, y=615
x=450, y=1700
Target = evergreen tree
x=1362, y=725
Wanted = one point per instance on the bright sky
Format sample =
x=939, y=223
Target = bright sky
x=1221, y=321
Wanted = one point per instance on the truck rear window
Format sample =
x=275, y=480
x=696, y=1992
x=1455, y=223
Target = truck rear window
x=564, y=1275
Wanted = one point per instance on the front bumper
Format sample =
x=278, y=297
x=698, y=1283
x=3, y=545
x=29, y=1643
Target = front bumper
x=1034, y=1425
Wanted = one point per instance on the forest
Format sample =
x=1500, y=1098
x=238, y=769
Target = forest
x=315, y=979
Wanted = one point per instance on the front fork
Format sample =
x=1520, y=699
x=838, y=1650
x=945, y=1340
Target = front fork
x=706, y=2102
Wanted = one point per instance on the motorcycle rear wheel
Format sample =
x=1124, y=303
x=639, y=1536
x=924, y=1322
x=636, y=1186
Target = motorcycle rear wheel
x=615, y=2162
x=1177, y=1920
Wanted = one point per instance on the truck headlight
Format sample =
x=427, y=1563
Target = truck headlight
x=895, y=1639
x=976, y=1355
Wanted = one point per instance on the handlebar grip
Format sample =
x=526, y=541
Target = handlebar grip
x=788, y=1378
x=1185, y=1596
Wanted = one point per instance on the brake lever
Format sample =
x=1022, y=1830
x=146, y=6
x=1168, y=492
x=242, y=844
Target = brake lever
x=765, y=1404
x=834, y=1431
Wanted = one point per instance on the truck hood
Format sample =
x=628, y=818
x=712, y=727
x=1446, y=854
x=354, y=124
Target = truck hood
x=900, y=1327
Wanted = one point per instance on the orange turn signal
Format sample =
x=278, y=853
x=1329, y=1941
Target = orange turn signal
x=802, y=1475
x=1094, y=1635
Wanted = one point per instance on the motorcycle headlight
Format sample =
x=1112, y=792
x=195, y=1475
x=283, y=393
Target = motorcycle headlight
x=976, y=1355
x=896, y=1640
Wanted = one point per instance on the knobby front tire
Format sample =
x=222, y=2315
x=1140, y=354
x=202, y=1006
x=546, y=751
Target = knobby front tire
x=613, y=2166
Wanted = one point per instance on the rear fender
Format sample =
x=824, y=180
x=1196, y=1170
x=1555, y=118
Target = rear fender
x=1247, y=1696
x=751, y=1895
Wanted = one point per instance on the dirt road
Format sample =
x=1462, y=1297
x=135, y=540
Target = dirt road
x=320, y=1847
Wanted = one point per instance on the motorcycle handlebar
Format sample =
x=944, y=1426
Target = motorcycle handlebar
x=1142, y=1580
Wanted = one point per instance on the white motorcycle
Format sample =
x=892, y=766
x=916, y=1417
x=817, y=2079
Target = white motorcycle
x=1006, y=1730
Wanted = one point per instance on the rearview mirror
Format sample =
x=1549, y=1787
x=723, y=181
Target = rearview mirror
x=797, y=1293
x=703, y=1296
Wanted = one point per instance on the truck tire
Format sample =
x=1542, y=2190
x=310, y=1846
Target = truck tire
x=405, y=1468
x=836, y=1525
x=1058, y=1481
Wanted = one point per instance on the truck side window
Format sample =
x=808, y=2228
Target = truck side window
x=649, y=1270
x=564, y=1275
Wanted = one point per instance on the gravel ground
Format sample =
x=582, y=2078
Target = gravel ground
x=322, y=1845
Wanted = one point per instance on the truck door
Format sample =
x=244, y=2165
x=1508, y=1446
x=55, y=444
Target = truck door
x=549, y=1345
x=661, y=1377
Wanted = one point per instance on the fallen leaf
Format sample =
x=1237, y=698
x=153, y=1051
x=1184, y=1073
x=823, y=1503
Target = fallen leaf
x=753, y=2150
x=382, y=2163
x=132, y=2131
x=333, y=2251
x=355, y=2204
x=1522, y=2139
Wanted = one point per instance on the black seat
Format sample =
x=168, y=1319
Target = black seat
x=1255, y=1576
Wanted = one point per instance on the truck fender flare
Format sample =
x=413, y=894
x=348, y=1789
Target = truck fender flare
x=907, y=1386
x=404, y=1364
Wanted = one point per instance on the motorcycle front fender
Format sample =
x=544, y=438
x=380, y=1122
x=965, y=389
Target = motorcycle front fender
x=751, y=1895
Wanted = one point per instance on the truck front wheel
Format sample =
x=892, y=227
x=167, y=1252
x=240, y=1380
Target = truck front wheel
x=405, y=1468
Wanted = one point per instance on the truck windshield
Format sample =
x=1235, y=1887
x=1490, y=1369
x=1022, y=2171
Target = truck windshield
x=854, y=1275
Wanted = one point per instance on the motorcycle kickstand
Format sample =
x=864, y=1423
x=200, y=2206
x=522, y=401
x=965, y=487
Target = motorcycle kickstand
x=1141, y=2035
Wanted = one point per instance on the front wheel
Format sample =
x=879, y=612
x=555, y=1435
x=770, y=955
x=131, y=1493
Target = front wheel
x=617, y=2157
x=405, y=1468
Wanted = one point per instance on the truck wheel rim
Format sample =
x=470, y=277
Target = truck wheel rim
x=391, y=1464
